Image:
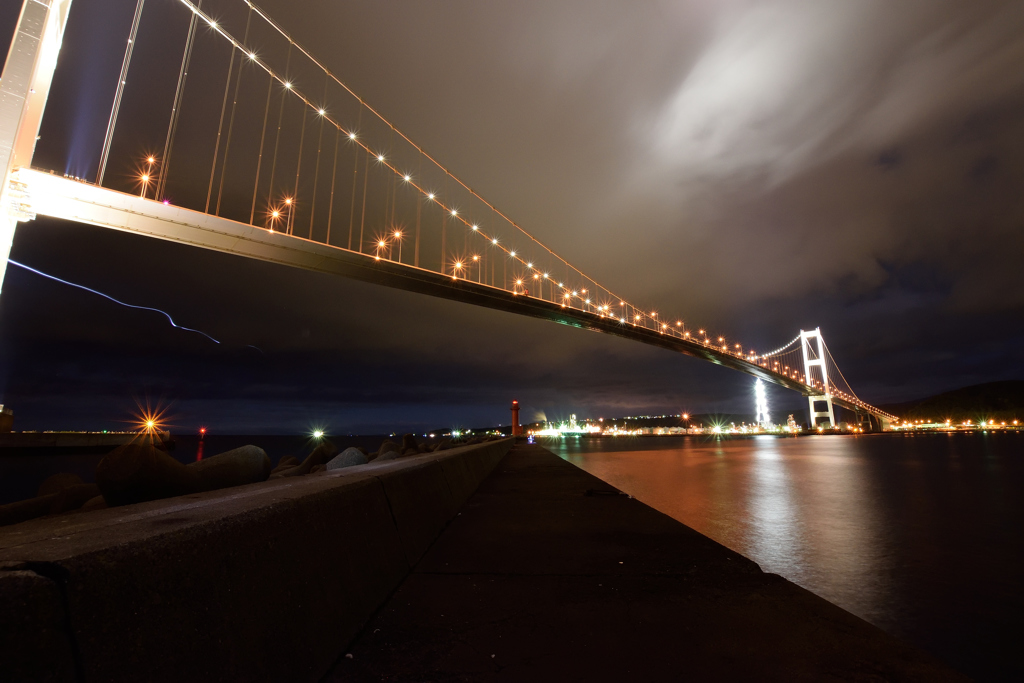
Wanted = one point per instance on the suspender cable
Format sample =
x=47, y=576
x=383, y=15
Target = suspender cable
x=298, y=170
x=334, y=175
x=394, y=185
x=389, y=198
x=220, y=127
x=444, y=228
x=316, y=173
x=419, y=211
x=355, y=175
x=352, y=202
x=259, y=161
x=362, y=216
x=172, y=126
x=121, y=81
x=280, y=116
x=231, y=120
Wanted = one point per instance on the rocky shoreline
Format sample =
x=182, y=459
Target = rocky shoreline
x=143, y=470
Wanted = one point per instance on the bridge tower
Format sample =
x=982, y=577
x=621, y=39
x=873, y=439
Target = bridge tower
x=24, y=89
x=814, y=356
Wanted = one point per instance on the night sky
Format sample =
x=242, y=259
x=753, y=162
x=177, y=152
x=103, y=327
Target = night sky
x=753, y=167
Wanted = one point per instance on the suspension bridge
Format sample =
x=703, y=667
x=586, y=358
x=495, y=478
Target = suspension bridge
x=264, y=153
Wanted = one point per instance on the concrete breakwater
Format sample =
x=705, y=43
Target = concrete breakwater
x=486, y=562
x=551, y=574
x=266, y=581
x=142, y=469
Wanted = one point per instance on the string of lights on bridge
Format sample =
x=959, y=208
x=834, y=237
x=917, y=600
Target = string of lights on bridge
x=626, y=313
x=528, y=273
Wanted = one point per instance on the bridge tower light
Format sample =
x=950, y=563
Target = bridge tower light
x=761, y=405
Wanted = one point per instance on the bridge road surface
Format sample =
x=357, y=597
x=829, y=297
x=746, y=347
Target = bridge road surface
x=550, y=574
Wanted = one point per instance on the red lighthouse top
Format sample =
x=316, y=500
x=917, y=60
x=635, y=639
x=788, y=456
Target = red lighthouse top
x=516, y=429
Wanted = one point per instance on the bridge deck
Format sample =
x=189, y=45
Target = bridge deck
x=67, y=199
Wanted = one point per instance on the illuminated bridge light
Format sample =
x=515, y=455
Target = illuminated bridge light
x=284, y=210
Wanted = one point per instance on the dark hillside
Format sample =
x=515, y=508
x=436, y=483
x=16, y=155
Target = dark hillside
x=992, y=401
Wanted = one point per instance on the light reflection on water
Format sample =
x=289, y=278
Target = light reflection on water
x=918, y=535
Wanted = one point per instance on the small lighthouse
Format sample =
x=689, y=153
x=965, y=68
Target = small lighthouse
x=516, y=429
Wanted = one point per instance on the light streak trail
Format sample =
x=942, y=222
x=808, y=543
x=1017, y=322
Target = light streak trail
x=107, y=296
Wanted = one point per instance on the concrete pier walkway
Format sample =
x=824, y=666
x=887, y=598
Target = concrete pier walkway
x=548, y=573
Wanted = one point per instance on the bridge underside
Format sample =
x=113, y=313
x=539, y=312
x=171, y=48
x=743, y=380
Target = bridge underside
x=81, y=202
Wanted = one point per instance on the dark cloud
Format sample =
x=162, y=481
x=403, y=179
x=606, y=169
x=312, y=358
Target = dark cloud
x=753, y=167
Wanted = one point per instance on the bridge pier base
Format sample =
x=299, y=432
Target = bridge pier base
x=815, y=414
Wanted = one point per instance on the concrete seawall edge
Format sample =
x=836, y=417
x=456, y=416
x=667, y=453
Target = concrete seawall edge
x=269, y=581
